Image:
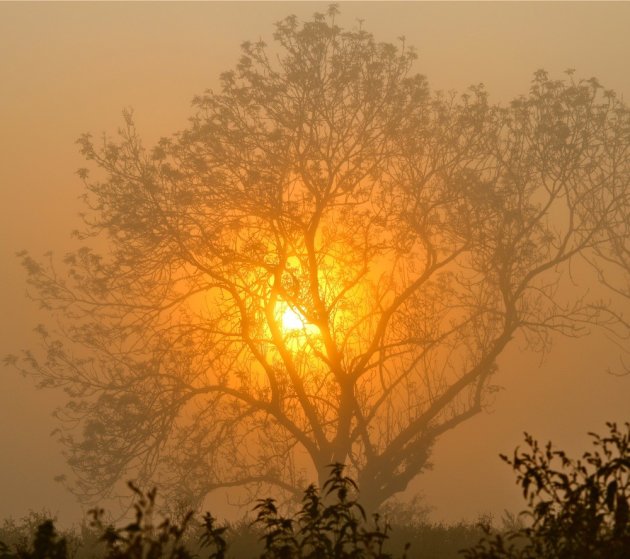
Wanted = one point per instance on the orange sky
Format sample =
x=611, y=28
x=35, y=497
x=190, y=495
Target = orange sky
x=68, y=68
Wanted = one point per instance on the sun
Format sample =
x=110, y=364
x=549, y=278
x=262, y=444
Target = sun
x=291, y=319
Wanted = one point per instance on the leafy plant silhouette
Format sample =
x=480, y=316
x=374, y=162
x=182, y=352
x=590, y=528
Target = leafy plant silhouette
x=141, y=539
x=578, y=509
x=332, y=524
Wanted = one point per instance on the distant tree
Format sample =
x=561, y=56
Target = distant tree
x=322, y=268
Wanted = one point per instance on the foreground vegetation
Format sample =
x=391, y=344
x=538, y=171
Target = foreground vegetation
x=577, y=509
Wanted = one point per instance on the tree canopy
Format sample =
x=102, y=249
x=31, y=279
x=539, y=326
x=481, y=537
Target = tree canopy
x=323, y=267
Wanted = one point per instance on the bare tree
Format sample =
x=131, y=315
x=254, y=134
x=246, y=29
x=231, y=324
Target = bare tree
x=323, y=267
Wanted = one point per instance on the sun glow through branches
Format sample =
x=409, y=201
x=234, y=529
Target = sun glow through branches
x=292, y=322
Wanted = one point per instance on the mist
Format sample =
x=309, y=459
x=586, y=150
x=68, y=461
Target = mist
x=72, y=68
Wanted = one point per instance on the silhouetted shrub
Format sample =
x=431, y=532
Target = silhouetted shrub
x=142, y=539
x=47, y=544
x=578, y=509
x=330, y=525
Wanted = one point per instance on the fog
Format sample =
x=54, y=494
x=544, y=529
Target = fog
x=70, y=68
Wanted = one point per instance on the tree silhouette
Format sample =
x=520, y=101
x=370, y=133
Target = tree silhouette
x=322, y=268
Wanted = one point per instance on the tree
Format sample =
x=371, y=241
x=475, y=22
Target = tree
x=322, y=268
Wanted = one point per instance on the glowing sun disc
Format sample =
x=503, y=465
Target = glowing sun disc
x=292, y=320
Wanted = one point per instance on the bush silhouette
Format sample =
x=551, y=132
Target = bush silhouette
x=47, y=544
x=142, y=539
x=332, y=524
x=577, y=509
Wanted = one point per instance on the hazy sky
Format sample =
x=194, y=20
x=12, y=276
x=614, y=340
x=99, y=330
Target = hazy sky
x=68, y=68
